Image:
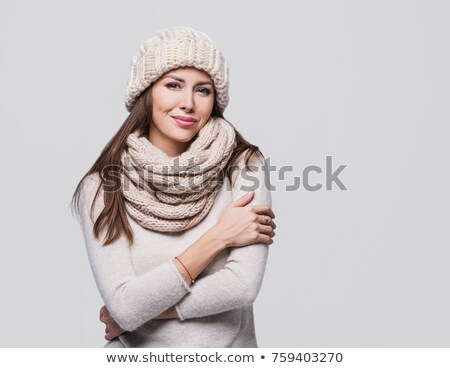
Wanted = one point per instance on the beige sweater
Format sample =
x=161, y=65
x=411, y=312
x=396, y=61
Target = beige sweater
x=137, y=284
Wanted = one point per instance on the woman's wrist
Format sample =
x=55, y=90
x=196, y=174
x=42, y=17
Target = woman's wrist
x=216, y=239
x=194, y=259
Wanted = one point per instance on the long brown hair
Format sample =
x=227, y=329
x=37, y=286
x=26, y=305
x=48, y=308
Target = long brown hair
x=113, y=216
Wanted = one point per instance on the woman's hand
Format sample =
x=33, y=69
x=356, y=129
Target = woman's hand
x=243, y=224
x=112, y=329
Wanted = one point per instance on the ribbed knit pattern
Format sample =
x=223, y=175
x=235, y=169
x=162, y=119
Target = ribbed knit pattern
x=171, y=194
x=172, y=48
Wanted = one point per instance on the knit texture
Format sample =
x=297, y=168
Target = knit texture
x=168, y=194
x=140, y=282
x=172, y=48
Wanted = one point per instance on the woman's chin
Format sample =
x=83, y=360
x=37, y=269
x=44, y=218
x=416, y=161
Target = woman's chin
x=183, y=138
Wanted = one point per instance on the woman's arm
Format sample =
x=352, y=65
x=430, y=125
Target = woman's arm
x=238, y=283
x=130, y=299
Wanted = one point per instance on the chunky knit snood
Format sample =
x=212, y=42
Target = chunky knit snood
x=171, y=194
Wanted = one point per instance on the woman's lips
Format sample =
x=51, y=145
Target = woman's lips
x=184, y=124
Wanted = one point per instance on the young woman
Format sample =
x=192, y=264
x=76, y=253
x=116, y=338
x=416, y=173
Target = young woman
x=176, y=211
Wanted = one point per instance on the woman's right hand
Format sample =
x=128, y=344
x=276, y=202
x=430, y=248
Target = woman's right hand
x=243, y=224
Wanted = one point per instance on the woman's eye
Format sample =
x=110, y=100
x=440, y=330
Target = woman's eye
x=205, y=91
x=172, y=85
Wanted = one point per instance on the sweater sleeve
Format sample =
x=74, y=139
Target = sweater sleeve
x=131, y=300
x=238, y=283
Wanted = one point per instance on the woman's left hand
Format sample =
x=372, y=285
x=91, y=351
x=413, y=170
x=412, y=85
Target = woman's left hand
x=112, y=329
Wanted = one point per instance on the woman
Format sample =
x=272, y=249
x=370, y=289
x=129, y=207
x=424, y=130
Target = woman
x=176, y=212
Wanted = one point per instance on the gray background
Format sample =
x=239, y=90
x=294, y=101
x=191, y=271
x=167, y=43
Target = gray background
x=364, y=82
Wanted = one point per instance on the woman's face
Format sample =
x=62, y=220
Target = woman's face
x=182, y=102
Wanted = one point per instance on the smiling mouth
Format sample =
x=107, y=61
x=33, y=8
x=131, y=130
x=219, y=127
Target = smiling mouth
x=184, y=124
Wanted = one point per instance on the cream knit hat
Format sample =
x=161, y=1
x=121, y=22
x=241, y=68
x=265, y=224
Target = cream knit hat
x=173, y=48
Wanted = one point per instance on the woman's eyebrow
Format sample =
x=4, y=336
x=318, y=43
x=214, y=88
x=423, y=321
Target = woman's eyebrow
x=182, y=80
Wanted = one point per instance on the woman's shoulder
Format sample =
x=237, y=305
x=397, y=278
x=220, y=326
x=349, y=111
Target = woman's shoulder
x=249, y=175
x=89, y=185
x=93, y=177
x=256, y=160
x=86, y=192
x=255, y=163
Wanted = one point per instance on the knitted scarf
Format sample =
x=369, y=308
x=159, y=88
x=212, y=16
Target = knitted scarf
x=171, y=194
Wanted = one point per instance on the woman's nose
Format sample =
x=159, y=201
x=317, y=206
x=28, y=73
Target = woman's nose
x=187, y=102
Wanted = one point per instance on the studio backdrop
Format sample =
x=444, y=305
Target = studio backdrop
x=348, y=100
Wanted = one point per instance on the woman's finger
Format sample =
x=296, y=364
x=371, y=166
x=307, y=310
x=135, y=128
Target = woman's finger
x=104, y=313
x=103, y=317
x=263, y=209
x=266, y=229
x=263, y=238
x=113, y=333
x=266, y=220
x=110, y=331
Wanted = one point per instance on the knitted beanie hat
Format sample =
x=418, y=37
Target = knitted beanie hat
x=173, y=48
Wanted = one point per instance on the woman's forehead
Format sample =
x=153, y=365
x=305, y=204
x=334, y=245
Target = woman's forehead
x=188, y=72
